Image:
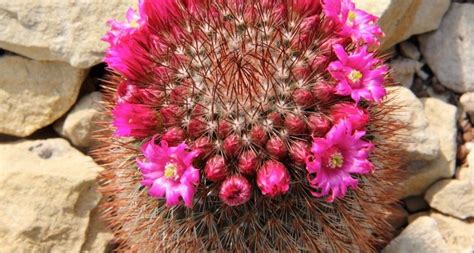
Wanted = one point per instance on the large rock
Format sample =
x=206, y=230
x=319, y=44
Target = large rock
x=421, y=143
x=80, y=123
x=53, y=30
x=458, y=234
x=422, y=235
x=402, y=19
x=47, y=190
x=34, y=94
x=452, y=197
x=442, y=123
x=448, y=51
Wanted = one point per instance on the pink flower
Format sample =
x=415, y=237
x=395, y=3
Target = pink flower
x=119, y=29
x=235, y=190
x=168, y=172
x=334, y=158
x=357, y=116
x=359, y=25
x=129, y=93
x=273, y=179
x=134, y=120
x=358, y=74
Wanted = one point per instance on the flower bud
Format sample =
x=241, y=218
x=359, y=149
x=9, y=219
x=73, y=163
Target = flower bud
x=215, y=169
x=248, y=162
x=174, y=136
x=299, y=150
x=318, y=124
x=223, y=129
x=303, y=97
x=203, y=146
x=294, y=124
x=276, y=119
x=357, y=116
x=196, y=127
x=235, y=190
x=231, y=145
x=170, y=115
x=276, y=147
x=258, y=135
x=273, y=179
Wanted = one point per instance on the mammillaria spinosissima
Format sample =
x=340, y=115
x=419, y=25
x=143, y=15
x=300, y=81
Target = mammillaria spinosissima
x=247, y=126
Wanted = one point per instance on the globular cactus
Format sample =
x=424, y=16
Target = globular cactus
x=247, y=125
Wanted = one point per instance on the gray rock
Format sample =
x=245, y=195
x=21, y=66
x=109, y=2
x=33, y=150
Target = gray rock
x=53, y=30
x=34, y=94
x=409, y=50
x=448, y=51
x=422, y=235
x=80, y=123
x=403, y=70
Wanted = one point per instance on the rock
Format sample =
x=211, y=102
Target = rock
x=80, y=122
x=403, y=71
x=48, y=191
x=34, y=94
x=467, y=102
x=422, y=235
x=409, y=50
x=415, y=203
x=423, y=144
x=458, y=234
x=402, y=19
x=448, y=51
x=49, y=30
x=98, y=237
x=442, y=123
x=453, y=197
x=413, y=217
x=466, y=173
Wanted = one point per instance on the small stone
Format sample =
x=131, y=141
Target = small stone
x=409, y=50
x=416, y=203
x=34, y=94
x=51, y=30
x=402, y=19
x=466, y=171
x=452, y=197
x=413, y=217
x=423, y=144
x=458, y=234
x=467, y=103
x=442, y=123
x=422, y=235
x=80, y=123
x=448, y=50
x=403, y=70
x=48, y=190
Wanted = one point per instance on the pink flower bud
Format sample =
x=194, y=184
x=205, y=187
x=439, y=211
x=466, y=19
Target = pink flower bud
x=129, y=93
x=196, y=127
x=357, y=116
x=276, y=119
x=273, y=179
x=231, y=145
x=248, y=162
x=203, y=146
x=299, y=150
x=323, y=92
x=179, y=94
x=223, y=129
x=258, y=135
x=174, y=136
x=215, y=168
x=303, y=97
x=276, y=147
x=235, y=190
x=294, y=124
x=318, y=124
x=198, y=110
x=170, y=114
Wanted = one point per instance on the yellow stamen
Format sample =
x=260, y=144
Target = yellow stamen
x=352, y=16
x=336, y=161
x=134, y=23
x=355, y=76
x=171, y=171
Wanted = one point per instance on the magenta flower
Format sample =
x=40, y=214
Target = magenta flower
x=235, y=190
x=129, y=93
x=168, y=172
x=334, y=158
x=357, y=116
x=273, y=179
x=134, y=120
x=353, y=23
x=119, y=29
x=359, y=74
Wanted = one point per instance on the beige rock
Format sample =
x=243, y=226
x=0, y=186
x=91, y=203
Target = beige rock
x=413, y=217
x=422, y=143
x=52, y=30
x=452, y=197
x=448, y=51
x=99, y=238
x=80, y=122
x=442, y=123
x=466, y=173
x=422, y=235
x=34, y=94
x=48, y=191
x=467, y=102
x=403, y=70
x=402, y=19
x=458, y=234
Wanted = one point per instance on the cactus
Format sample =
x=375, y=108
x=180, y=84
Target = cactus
x=247, y=126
